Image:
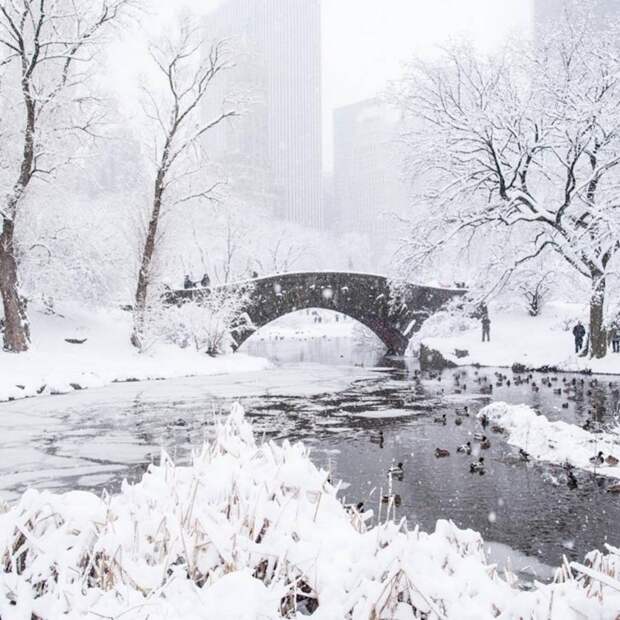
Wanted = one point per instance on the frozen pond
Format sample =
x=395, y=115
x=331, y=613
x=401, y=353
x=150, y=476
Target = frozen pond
x=94, y=439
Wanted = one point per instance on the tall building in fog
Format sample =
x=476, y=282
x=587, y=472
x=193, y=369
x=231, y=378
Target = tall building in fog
x=368, y=192
x=547, y=13
x=276, y=144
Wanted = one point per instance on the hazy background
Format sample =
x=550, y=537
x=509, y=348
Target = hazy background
x=364, y=41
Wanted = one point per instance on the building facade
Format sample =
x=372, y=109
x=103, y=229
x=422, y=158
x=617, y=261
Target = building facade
x=369, y=194
x=547, y=13
x=276, y=144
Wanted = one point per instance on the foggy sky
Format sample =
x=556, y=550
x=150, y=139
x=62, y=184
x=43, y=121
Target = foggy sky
x=364, y=41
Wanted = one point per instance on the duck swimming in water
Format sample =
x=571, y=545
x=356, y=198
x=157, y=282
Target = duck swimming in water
x=466, y=448
x=396, y=470
x=523, y=455
x=477, y=466
x=571, y=480
x=440, y=452
x=458, y=421
x=441, y=420
x=485, y=444
x=599, y=459
x=612, y=460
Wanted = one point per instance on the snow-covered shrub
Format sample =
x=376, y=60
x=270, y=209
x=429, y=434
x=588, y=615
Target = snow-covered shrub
x=445, y=323
x=208, y=323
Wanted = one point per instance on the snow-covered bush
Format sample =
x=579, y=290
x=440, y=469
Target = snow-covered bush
x=208, y=323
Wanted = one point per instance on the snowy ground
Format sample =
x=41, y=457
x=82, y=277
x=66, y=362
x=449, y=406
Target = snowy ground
x=303, y=325
x=262, y=520
x=53, y=364
x=516, y=337
x=555, y=442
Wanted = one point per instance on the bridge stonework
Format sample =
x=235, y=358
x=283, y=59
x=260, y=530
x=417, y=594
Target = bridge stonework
x=393, y=314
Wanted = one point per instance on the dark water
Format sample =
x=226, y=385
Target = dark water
x=93, y=442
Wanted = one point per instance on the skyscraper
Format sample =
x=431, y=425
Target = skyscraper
x=368, y=191
x=547, y=13
x=278, y=139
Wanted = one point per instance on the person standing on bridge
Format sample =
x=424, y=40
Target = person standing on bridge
x=486, y=328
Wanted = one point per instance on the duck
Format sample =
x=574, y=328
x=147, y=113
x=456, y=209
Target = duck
x=385, y=499
x=396, y=471
x=485, y=444
x=378, y=438
x=441, y=420
x=612, y=460
x=599, y=459
x=466, y=448
x=464, y=412
x=479, y=436
x=477, y=466
x=496, y=428
x=614, y=488
x=571, y=480
x=441, y=452
x=524, y=455
x=458, y=421
x=484, y=420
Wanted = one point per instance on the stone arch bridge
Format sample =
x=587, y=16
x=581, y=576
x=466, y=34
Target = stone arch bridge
x=393, y=313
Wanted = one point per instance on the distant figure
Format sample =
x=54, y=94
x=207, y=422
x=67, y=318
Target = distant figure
x=486, y=328
x=579, y=332
x=614, y=336
x=187, y=283
x=205, y=281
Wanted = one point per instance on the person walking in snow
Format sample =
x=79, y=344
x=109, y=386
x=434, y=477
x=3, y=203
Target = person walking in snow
x=579, y=333
x=486, y=328
x=614, y=336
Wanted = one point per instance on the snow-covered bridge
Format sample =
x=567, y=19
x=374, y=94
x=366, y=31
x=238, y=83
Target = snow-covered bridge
x=393, y=313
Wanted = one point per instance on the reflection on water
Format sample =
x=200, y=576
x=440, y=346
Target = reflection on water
x=94, y=440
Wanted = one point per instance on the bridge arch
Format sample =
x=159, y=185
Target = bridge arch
x=367, y=298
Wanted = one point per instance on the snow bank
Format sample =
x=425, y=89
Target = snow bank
x=554, y=442
x=545, y=340
x=256, y=531
x=55, y=366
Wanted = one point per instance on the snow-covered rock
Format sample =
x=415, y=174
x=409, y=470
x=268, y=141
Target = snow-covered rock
x=555, y=442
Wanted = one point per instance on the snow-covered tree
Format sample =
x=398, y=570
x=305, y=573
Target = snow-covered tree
x=177, y=108
x=46, y=53
x=527, y=141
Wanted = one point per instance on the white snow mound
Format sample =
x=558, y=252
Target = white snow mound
x=554, y=442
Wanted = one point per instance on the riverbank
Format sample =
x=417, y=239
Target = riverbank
x=516, y=338
x=76, y=349
x=264, y=520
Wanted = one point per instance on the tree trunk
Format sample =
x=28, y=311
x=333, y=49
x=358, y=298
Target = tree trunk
x=598, y=336
x=16, y=330
x=145, y=268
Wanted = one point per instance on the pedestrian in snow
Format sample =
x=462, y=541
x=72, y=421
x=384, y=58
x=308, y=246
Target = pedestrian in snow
x=187, y=283
x=614, y=335
x=579, y=332
x=486, y=328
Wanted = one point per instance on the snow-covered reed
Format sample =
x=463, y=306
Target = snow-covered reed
x=257, y=531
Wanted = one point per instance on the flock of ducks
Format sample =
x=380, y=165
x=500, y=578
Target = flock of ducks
x=564, y=386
